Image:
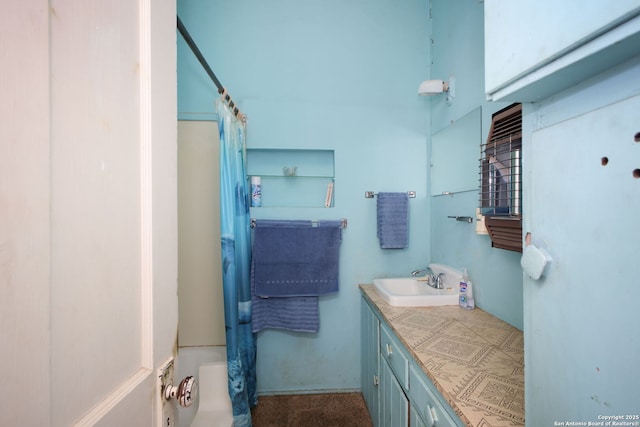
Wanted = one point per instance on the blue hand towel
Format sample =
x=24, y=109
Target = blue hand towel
x=300, y=314
x=393, y=220
x=295, y=258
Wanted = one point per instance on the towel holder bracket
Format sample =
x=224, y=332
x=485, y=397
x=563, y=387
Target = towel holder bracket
x=371, y=194
x=343, y=223
x=462, y=218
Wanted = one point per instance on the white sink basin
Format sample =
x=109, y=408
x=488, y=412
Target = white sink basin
x=415, y=292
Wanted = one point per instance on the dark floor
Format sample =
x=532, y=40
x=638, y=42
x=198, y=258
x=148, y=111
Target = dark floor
x=311, y=410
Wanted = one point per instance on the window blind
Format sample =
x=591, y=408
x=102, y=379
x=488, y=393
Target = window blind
x=501, y=179
x=500, y=165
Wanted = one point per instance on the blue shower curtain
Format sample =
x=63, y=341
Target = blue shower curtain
x=236, y=262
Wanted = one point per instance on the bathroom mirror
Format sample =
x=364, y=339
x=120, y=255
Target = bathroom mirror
x=454, y=155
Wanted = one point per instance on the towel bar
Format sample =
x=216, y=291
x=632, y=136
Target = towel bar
x=343, y=223
x=371, y=194
x=461, y=218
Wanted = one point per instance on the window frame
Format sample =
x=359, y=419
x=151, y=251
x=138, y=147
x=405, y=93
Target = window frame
x=500, y=193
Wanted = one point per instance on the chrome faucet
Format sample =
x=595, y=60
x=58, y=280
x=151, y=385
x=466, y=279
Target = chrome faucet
x=439, y=280
x=431, y=276
x=433, y=280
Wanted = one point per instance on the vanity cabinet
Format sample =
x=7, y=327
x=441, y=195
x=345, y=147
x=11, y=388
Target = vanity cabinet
x=396, y=390
x=370, y=367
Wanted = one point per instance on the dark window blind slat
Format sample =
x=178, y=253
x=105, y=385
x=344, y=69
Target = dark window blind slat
x=500, y=179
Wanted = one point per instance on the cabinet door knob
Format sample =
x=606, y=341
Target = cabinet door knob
x=431, y=416
x=389, y=350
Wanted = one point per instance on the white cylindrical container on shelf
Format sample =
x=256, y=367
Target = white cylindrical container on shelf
x=256, y=191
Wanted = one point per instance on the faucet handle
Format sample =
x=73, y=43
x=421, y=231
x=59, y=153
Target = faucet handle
x=439, y=280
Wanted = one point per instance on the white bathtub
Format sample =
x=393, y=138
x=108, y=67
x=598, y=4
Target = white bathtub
x=189, y=360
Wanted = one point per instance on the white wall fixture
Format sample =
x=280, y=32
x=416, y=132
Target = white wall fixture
x=432, y=87
x=436, y=87
x=534, y=261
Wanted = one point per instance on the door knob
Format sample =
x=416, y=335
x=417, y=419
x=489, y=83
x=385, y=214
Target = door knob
x=185, y=392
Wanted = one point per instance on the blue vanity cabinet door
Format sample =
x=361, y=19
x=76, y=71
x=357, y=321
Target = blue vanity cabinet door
x=416, y=420
x=394, y=406
x=395, y=354
x=370, y=343
x=429, y=409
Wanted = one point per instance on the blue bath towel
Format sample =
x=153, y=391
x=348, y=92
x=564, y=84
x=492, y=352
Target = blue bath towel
x=300, y=314
x=393, y=220
x=295, y=258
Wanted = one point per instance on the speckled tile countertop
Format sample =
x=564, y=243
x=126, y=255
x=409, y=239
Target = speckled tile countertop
x=474, y=359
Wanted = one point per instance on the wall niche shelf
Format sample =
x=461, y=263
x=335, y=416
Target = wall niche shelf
x=308, y=187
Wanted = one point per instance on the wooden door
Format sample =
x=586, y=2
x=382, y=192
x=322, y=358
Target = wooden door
x=89, y=231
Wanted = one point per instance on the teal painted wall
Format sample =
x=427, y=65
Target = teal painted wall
x=580, y=320
x=325, y=75
x=457, y=50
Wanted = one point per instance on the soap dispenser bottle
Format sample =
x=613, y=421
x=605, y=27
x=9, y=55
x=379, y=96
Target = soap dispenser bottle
x=466, y=292
x=462, y=290
x=471, y=304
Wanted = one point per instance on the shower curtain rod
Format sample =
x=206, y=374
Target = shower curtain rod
x=221, y=90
